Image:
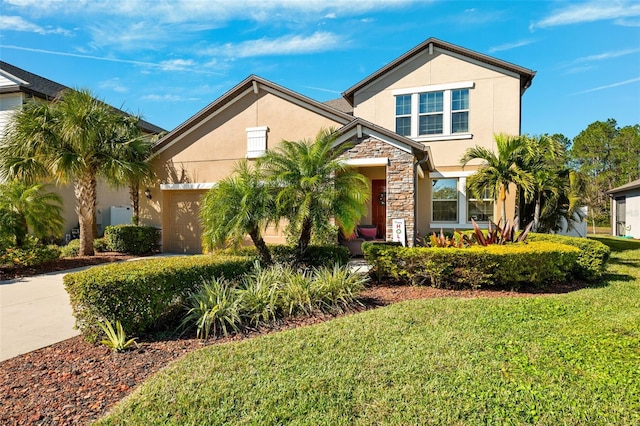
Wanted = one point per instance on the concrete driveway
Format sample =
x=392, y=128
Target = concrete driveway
x=34, y=313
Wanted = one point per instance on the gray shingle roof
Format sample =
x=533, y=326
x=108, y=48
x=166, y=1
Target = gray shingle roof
x=631, y=185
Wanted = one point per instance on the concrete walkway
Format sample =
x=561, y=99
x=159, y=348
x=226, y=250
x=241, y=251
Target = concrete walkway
x=34, y=312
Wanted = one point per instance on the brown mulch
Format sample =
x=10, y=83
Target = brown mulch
x=62, y=264
x=74, y=382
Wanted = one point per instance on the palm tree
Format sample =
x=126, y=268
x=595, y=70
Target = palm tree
x=312, y=185
x=500, y=169
x=29, y=209
x=72, y=139
x=238, y=205
x=556, y=189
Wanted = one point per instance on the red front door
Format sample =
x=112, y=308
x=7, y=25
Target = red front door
x=379, y=206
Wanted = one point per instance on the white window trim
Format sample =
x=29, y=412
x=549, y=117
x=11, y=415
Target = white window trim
x=446, y=113
x=186, y=186
x=462, y=199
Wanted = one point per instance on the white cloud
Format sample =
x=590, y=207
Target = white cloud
x=576, y=70
x=606, y=55
x=114, y=84
x=17, y=23
x=331, y=15
x=509, y=46
x=627, y=22
x=286, y=45
x=589, y=12
x=168, y=98
x=609, y=86
x=322, y=89
x=178, y=65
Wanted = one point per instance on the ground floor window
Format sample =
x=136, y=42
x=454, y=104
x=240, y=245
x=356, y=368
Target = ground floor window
x=480, y=209
x=444, y=196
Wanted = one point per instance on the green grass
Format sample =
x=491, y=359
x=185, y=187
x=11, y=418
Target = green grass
x=563, y=359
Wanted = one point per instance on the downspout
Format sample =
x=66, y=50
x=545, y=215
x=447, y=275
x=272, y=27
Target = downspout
x=415, y=197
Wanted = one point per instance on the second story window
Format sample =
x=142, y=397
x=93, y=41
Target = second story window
x=432, y=111
x=403, y=115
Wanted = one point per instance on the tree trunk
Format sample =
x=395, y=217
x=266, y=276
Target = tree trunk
x=305, y=239
x=263, y=250
x=85, y=191
x=536, y=214
x=503, y=199
x=134, y=195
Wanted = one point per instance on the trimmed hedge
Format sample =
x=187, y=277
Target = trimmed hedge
x=73, y=247
x=592, y=259
x=140, y=293
x=131, y=238
x=315, y=257
x=29, y=255
x=514, y=265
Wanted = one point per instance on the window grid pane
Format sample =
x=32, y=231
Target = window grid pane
x=459, y=99
x=403, y=126
x=403, y=105
x=445, y=200
x=430, y=124
x=459, y=122
x=480, y=210
x=431, y=102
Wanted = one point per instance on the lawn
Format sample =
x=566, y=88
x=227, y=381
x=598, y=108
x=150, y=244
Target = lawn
x=556, y=359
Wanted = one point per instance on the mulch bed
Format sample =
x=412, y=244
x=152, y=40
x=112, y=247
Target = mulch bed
x=74, y=382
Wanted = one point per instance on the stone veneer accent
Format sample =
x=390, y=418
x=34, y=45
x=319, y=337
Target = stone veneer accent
x=400, y=180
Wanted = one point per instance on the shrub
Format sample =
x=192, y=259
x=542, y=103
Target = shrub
x=31, y=254
x=116, y=337
x=592, y=259
x=215, y=306
x=141, y=293
x=259, y=291
x=514, y=265
x=131, y=239
x=73, y=247
x=337, y=287
x=315, y=257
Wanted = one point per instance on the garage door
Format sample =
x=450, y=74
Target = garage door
x=181, y=227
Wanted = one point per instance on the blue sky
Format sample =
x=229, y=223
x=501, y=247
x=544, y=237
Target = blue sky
x=168, y=59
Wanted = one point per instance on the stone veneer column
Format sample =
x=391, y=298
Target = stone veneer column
x=400, y=181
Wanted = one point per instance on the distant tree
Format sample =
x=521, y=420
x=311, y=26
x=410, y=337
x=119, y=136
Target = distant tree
x=76, y=138
x=500, y=168
x=29, y=209
x=607, y=156
x=238, y=205
x=312, y=185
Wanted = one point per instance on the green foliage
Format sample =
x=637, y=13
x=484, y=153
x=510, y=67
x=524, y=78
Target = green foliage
x=501, y=168
x=142, y=292
x=458, y=240
x=31, y=253
x=497, y=235
x=311, y=185
x=131, y=238
x=267, y=294
x=508, y=266
x=607, y=156
x=116, y=338
x=214, y=307
x=563, y=359
x=238, y=205
x=592, y=259
x=316, y=256
x=29, y=210
x=73, y=247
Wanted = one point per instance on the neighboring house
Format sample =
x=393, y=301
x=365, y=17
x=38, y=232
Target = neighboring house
x=625, y=210
x=18, y=86
x=411, y=122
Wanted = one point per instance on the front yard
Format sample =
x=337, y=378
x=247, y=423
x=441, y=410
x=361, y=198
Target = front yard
x=555, y=359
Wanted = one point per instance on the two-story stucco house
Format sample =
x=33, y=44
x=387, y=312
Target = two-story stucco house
x=411, y=122
x=18, y=86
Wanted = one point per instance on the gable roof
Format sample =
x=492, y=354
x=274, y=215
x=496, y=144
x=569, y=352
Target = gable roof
x=526, y=75
x=43, y=88
x=631, y=185
x=359, y=127
x=255, y=84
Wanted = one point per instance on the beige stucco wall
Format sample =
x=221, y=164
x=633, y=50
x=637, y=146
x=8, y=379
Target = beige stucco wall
x=494, y=100
x=208, y=153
